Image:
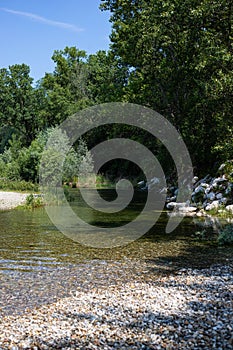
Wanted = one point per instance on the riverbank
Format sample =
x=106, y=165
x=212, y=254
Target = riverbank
x=11, y=200
x=187, y=309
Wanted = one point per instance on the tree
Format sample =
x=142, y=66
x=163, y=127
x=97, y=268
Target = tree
x=66, y=87
x=107, y=77
x=181, y=62
x=19, y=102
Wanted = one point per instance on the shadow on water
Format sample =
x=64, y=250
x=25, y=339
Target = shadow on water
x=38, y=263
x=29, y=241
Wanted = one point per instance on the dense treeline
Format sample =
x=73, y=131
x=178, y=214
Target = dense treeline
x=175, y=57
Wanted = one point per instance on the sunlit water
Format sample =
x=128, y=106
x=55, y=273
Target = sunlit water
x=38, y=262
x=29, y=241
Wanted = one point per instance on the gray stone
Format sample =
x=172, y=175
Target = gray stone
x=199, y=189
x=223, y=201
x=211, y=196
x=219, y=195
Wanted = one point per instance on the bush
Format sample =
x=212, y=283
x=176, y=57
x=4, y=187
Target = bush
x=226, y=235
x=6, y=184
x=23, y=163
x=33, y=201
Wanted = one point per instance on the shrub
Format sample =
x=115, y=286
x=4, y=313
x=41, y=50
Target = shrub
x=6, y=184
x=33, y=201
x=226, y=235
x=23, y=163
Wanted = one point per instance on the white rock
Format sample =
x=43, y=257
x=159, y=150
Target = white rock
x=205, y=185
x=140, y=183
x=187, y=209
x=173, y=199
x=199, y=189
x=176, y=205
x=222, y=166
x=201, y=213
x=212, y=206
x=163, y=190
x=219, y=179
x=230, y=208
x=194, y=180
x=155, y=180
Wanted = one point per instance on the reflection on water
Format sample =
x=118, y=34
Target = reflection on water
x=38, y=264
x=30, y=242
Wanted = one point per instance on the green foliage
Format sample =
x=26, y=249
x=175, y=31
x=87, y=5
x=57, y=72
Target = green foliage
x=33, y=201
x=227, y=170
x=61, y=161
x=173, y=56
x=181, y=64
x=6, y=133
x=68, y=194
x=86, y=166
x=19, y=102
x=226, y=235
x=106, y=73
x=53, y=155
x=66, y=87
x=24, y=186
x=23, y=163
x=201, y=235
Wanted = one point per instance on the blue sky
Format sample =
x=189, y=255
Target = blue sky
x=32, y=30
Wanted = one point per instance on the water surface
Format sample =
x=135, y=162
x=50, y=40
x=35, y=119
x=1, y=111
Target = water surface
x=38, y=263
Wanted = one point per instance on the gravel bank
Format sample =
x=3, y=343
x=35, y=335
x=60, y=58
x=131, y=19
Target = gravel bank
x=10, y=200
x=187, y=309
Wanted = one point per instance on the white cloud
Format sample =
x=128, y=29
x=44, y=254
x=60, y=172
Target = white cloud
x=44, y=20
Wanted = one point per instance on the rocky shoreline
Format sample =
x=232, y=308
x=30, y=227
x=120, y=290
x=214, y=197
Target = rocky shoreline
x=211, y=194
x=188, y=309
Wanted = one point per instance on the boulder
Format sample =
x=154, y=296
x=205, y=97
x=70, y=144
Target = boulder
x=199, y=189
x=219, y=196
x=212, y=206
x=230, y=208
x=211, y=196
x=187, y=209
x=181, y=207
x=194, y=180
x=175, y=205
x=219, y=180
x=223, y=201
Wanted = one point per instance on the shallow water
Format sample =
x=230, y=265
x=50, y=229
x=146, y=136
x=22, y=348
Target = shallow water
x=38, y=263
x=30, y=242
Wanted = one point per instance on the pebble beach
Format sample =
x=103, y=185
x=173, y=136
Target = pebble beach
x=116, y=306
x=108, y=304
x=10, y=200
